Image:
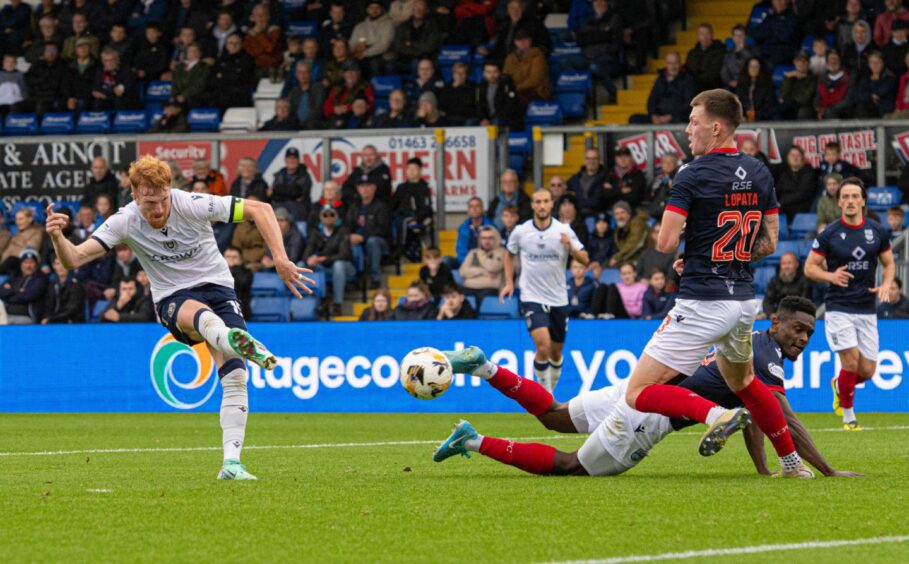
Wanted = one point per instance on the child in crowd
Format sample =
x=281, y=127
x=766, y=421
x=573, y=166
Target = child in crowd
x=657, y=301
x=435, y=273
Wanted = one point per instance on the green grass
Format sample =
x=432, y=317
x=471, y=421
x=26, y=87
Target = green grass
x=362, y=504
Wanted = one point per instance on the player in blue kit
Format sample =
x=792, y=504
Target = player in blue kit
x=852, y=247
x=726, y=205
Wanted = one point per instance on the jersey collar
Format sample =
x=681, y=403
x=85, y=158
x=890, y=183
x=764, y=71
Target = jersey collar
x=726, y=150
x=847, y=226
x=534, y=223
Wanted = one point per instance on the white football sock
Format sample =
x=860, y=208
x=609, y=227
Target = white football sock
x=848, y=414
x=486, y=371
x=234, y=408
x=555, y=371
x=790, y=462
x=473, y=444
x=214, y=331
x=714, y=414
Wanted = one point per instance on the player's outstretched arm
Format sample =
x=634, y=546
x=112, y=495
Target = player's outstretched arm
x=765, y=244
x=72, y=256
x=805, y=446
x=754, y=442
x=263, y=216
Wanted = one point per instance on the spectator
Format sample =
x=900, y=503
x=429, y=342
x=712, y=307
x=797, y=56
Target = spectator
x=902, y=96
x=292, y=185
x=428, y=114
x=624, y=300
x=263, y=42
x=335, y=28
x=832, y=162
x=114, y=88
x=581, y=288
x=80, y=76
x=895, y=219
x=789, y=281
x=427, y=81
x=670, y=98
x=173, y=120
x=818, y=61
x=151, y=59
x=200, y=187
x=458, y=100
x=129, y=305
x=203, y=171
x=898, y=305
x=359, y=116
x=600, y=39
x=28, y=236
x=80, y=32
x=13, y=91
x=248, y=180
x=796, y=183
x=853, y=12
x=658, y=302
x=68, y=9
x=796, y=100
x=651, y=259
x=895, y=51
x=233, y=76
x=307, y=98
x=497, y=99
x=182, y=41
x=49, y=33
x=568, y=214
x=23, y=294
x=14, y=24
x=102, y=181
x=474, y=22
x=518, y=17
x=875, y=93
x=125, y=188
x=755, y=90
x=655, y=203
x=510, y=220
x=224, y=28
x=331, y=195
x=412, y=205
x=397, y=116
x=483, y=269
x=104, y=207
x=454, y=306
x=284, y=119
x=400, y=11
x=418, y=305
x=191, y=79
x=45, y=81
x=373, y=168
x=416, y=38
x=293, y=239
x=312, y=56
x=42, y=9
x=630, y=235
x=334, y=69
x=373, y=37
x=434, y=272
x=735, y=59
x=370, y=223
x=191, y=13
x=883, y=24
x=122, y=44
x=249, y=242
x=778, y=35
x=339, y=99
x=750, y=148
x=65, y=298
x=328, y=250
x=601, y=246
x=380, y=309
x=242, y=277
x=510, y=194
x=468, y=232
x=625, y=182
x=834, y=99
x=827, y=208
x=587, y=182
x=705, y=59
x=855, y=54
x=639, y=33
x=527, y=67
x=125, y=265
x=86, y=222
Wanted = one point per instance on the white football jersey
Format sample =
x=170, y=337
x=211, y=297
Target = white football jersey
x=543, y=261
x=184, y=253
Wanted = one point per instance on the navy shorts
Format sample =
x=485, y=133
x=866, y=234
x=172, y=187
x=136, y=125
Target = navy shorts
x=221, y=299
x=554, y=318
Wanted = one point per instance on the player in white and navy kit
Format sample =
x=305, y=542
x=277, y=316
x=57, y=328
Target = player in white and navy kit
x=544, y=244
x=170, y=233
x=852, y=247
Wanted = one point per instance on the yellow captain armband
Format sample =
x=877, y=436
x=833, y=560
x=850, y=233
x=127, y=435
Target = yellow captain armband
x=236, y=211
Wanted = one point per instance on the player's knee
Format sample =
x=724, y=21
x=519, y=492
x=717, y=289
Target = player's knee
x=567, y=464
x=850, y=360
x=631, y=396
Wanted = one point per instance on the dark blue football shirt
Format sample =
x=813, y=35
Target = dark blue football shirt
x=724, y=195
x=856, y=247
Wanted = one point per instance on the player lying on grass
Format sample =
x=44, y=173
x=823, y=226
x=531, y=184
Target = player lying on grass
x=621, y=437
x=170, y=233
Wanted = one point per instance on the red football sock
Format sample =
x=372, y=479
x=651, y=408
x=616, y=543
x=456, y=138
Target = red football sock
x=846, y=384
x=529, y=457
x=533, y=397
x=673, y=401
x=767, y=414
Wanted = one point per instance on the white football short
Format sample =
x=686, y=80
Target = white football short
x=848, y=330
x=693, y=326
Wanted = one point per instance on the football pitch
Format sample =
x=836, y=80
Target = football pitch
x=363, y=488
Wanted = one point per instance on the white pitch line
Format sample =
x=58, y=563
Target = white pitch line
x=349, y=445
x=757, y=549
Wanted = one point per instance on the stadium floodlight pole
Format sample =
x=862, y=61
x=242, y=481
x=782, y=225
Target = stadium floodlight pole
x=440, y=182
x=537, y=157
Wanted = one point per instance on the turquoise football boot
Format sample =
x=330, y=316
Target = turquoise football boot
x=467, y=360
x=233, y=470
x=455, y=443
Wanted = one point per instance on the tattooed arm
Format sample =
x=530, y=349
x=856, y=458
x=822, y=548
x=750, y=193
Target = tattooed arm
x=765, y=244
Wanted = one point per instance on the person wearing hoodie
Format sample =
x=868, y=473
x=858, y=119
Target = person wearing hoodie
x=13, y=91
x=373, y=168
x=855, y=54
x=65, y=298
x=454, y=306
x=371, y=39
x=232, y=77
x=600, y=246
x=625, y=182
x=895, y=51
x=248, y=181
x=705, y=60
x=581, y=288
x=483, y=269
x=328, y=249
x=224, y=27
x=789, y=281
x=875, y=91
x=458, y=99
x=152, y=55
x=417, y=306
x=735, y=59
x=130, y=305
x=412, y=201
x=835, y=99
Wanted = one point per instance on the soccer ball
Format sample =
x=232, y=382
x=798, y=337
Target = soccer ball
x=425, y=373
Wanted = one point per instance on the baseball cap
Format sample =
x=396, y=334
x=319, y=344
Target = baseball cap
x=622, y=204
x=83, y=41
x=28, y=253
x=365, y=179
x=292, y=152
x=328, y=208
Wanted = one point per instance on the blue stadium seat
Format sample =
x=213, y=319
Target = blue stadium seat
x=304, y=310
x=130, y=121
x=882, y=198
x=93, y=122
x=269, y=309
x=543, y=113
x=302, y=29
x=472, y=300
x=782, y=247
x=758, y=15
x=154, y=111
x=58, y=123
x=808, y=43
x=321, y=285
x=4, y=278
x=448, y=56
x=566, y=56
x=590, y=223
x=99, y=308
x=762, y=277
x=490, y=308
x=803, y=225
x=805, y=247
x=519, y=148
x=383, y=87
x=72, y=206
x=610, y=276
x=301, y=227
x=21, y=124
x=267, y=284
x=784, y=227
x=456, y=275
x=779, y=73
x=158, y=91
x=571, y=89
x=204, y=119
